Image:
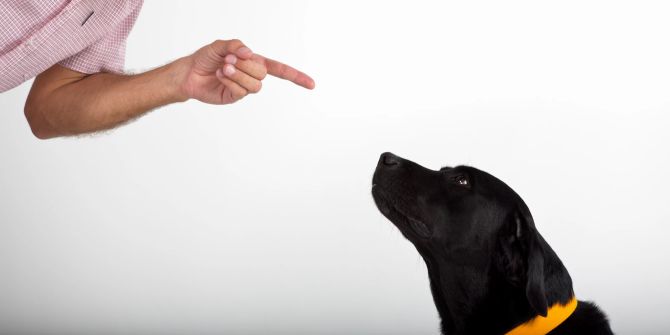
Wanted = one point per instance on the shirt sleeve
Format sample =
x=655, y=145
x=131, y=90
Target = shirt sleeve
x=108, y=53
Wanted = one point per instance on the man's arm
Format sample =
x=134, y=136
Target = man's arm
x=64, y=102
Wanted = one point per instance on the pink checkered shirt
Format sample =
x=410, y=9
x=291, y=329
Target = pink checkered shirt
x=87, y=36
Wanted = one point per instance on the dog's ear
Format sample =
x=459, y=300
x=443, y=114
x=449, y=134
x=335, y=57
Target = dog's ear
x=530, y=241
x=522, y=260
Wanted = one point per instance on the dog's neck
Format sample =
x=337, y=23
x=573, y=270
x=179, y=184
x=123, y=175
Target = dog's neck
x=500, y=307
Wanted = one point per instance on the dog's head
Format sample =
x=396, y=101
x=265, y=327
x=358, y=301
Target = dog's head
x=467, y=223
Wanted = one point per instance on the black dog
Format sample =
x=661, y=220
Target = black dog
x=490, y=270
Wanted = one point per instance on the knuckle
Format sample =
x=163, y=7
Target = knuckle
x=215, y=48
x=256, y=87
x=235, y=43
x=239, y=94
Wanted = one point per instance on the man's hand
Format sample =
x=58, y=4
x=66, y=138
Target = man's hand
x=65, y=102
x=226, y=71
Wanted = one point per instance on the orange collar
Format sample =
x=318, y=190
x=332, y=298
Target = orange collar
x=540, y=325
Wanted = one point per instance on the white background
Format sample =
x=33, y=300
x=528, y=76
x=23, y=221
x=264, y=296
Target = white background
x=256, y=218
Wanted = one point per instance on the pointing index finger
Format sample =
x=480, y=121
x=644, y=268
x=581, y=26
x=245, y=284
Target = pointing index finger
x=283, y=71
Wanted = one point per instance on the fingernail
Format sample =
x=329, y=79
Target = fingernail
x=228, y=70
x=244, y=51
x=230, y=59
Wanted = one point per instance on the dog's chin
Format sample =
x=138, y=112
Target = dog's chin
x=408, y=225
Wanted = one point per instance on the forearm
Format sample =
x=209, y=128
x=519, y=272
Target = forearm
x=63, y=102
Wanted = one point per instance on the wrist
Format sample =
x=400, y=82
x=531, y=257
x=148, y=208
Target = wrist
x=177, y=73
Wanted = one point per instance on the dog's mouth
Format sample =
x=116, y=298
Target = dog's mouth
x=406, y=223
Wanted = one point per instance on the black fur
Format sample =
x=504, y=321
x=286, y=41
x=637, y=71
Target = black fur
x=489, y=268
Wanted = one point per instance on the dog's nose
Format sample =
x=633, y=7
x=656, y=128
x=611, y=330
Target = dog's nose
x=388, y=159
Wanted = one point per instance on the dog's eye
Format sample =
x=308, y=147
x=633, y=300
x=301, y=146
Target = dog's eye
x=461, y=180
